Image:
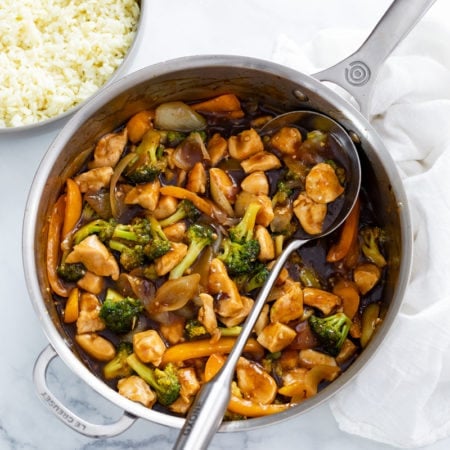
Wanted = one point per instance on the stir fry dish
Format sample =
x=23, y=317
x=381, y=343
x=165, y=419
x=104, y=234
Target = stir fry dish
x=158, y=245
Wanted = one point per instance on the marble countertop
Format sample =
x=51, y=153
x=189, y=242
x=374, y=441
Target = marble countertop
x=172, y=29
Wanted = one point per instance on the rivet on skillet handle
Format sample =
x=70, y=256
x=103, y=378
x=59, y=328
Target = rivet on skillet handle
x=356, y=73
x=63, y=413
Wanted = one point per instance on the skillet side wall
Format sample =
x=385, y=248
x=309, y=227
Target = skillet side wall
x=194, y=79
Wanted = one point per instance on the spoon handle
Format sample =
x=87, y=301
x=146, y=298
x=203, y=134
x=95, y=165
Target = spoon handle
x=206, y=413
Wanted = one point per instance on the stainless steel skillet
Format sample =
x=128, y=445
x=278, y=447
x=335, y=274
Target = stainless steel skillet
x=192, y=78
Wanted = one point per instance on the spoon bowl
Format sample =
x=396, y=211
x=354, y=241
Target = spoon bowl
x=205, y=415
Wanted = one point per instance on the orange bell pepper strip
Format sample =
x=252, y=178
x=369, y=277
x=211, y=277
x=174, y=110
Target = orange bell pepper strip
x=349, y=233
x=226, y=104
x=239, y=405
x=55, y=225
x=203, y=347
x=71, y=309
x=72, y=212
x=139, y=124
x=184, y=194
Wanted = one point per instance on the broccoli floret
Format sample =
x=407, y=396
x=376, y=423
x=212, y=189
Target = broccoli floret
x=240, y=250
x=244, y=230
x=194, y=329
x=284, y=191
x=118, y=367
x=172, y=138
x=164, y=381
x=331, y=331
x=250, y=281
x=199, y=236
x=71, y=272
x=137, y=231
x=131, y=256
x=120, y=313
x=185, y=210
x=104, y=229
x=371, y=237
x=149, y=161
x=158, y=245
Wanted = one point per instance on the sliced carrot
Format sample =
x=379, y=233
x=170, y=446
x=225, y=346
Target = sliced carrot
x=204, y=347
x=349, y=232
x=349, y=294
x=55, y=225
x=71, y=308
x=184, y=194
x=72, y=212
x=226, y=104
x=139, y=124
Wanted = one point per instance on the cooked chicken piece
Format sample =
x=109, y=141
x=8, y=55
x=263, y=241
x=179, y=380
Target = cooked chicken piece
x=166, y=206
x=219, y=283
x=88, y=318
x=145, y=195
x=95, y=179
x=190, y=385
x=95, y=257
x=175, y=232
x=289, y=306
x=173, y=330
x=254, y=382
x=239, y=317
x=207, y=316
x=256, y=183
x=287, y=140
x=91, y=283
x=310, y=214
x=348, y=350
x=322, y=184
x=196, y=179
x=294, y=375
x=366, y=276
x=109, y=149
x=96, y=346
x=261, y=161
x=309, y=358
x=217, y=149
x=266, y=245
x=167, y=262
x=265, y=214
x=223, y=189
x=320, y=299
x=276, y=336
x=245, y=144
x=149, y=347
x=137, y=390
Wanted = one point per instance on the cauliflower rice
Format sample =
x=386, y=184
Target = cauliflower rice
x=56, y=53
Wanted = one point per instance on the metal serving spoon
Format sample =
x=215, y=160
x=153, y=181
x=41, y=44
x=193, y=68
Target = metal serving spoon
x=206, y=413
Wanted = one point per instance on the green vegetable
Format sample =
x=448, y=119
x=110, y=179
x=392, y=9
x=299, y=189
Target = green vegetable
x=71, y=272
x=370, y=245
x=150, y=160
x=118, y=367
x=240, y=250
x=159, y=245
x=194, y=329
x=331, y=331
x=104, y=229
x=199, y=236
x=185, y=210
x=164, y=381
x=120, y=313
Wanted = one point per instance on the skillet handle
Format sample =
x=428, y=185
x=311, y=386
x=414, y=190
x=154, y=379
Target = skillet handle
x=63, y=413
x=356, y=73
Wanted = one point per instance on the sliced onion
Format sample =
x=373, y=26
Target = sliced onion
x=174, y=294
x=179, y=117
x=121, y=166
x=189, y=152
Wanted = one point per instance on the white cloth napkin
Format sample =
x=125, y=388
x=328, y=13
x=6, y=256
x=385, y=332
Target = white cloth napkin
x=402, y=397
